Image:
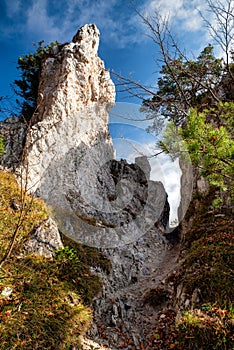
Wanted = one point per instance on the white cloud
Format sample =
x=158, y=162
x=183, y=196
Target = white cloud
x=183, y=12
x=39, y=23
x=12, y=7
x=169, y=173
x=119, y=25
x=116, y=28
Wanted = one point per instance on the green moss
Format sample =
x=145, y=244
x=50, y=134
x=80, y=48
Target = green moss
x=209, y=262
x=89, y=255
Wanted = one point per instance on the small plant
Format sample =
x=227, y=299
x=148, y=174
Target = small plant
x=191, y=319
x=217, y=203
x=2, y=148
x=67, y=254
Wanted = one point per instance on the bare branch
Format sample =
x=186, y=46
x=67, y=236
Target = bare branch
x=222, y=29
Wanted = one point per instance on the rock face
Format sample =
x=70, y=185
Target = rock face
x=45, y=240
x=118, y=207
x=121, y=313
x=75, y=95
x=68, y=160
x=68, y=153
x=13, y=131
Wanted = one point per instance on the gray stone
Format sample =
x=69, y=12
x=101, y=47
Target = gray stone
x=69, y=162
x=45, y=240
x=13, y=131
x=202, y=185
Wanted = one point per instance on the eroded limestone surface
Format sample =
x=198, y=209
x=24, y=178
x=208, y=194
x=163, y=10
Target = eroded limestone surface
x=68, y=160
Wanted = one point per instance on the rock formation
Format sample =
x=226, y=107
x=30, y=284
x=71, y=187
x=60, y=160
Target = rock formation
x=75, y=95
x=67, y=154
x=13, y=131
x=68, y=160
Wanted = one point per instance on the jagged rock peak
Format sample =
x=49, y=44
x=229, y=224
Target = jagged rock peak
x=88, y=35
x=73, y=76
x=74, y=97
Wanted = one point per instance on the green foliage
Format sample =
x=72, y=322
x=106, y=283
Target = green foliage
x=2, y=148
x=209, y=146
x=172, y=142
x=196, y=97
x=217, y=202
x=227, y=115
x=27, y=86
x=67, y=254
x=186, y=83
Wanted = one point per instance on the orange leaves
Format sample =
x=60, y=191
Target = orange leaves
x=122, y=344
x=50, y=314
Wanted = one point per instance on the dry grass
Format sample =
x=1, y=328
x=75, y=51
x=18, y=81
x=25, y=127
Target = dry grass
x=47, y=304
x=17, y=210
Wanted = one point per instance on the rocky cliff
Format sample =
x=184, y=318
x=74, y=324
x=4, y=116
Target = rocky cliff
x=65, y=155
x=75, y=95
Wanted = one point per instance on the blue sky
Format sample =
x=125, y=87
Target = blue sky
x=128, y=126
x=124, y=44
x=124, y=47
